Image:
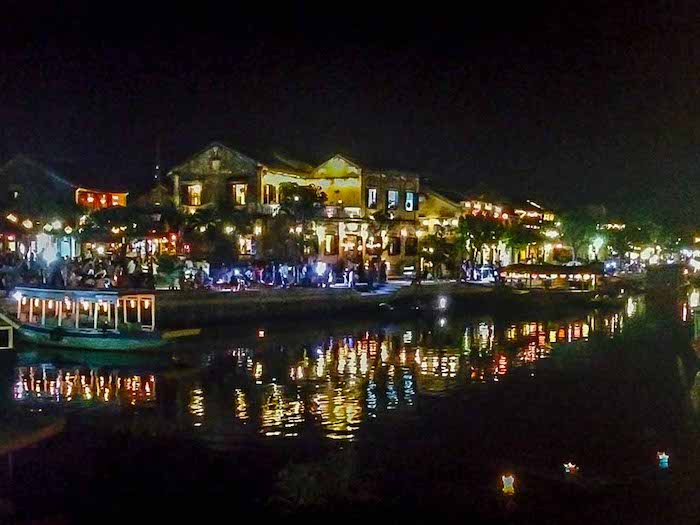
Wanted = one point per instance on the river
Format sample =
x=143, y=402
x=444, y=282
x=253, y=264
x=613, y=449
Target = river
x=423, y=414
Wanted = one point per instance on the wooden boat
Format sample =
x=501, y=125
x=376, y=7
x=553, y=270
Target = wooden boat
x=106, y=320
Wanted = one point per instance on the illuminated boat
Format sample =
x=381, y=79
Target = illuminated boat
x=86, y=319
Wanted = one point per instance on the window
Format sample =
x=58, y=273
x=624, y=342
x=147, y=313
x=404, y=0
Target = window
x=372, y=198
x=330, y=245
x=410, y=203
x=394, y=245
x=392, y=199
x=246, y=246
x=411, y=247
x=194, y=195
x=239, y=191
x=269, y=194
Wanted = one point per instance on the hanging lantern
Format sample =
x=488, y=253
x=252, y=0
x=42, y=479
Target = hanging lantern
x=570, y=468
x=663, y=460
x=508, y=484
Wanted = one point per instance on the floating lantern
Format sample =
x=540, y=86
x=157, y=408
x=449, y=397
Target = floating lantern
x=443, y=322
x=442, y=303
x=570, y=468
x=27, y=224
x=508, y=484
x=663, y=460
x=261, y=333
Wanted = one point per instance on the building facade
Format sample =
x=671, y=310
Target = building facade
x=367, y=214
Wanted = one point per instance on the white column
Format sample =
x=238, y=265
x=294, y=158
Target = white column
x=59, y=306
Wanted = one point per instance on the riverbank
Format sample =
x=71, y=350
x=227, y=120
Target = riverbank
x=178, y=309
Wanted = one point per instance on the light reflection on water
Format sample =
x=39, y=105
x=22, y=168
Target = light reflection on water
x=328, y=386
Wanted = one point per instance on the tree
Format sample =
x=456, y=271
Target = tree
x=518, y=238
x=439, y=251
x=476, y=232
x=380, y=222
x=301, y=205
x=580, y=227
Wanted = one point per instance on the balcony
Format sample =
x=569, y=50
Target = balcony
x=342, y=212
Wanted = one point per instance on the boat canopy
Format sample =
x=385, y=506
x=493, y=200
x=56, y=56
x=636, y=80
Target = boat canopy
x=551, y=269
x=103, y=296
x=85, y=309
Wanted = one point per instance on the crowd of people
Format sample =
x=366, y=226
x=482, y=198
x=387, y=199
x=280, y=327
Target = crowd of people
x=88, y=271
x=283, y=275
x=131, y=271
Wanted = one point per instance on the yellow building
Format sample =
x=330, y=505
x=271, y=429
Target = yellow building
x=368, y=213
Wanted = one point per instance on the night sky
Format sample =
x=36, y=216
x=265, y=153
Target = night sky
x=569, y=105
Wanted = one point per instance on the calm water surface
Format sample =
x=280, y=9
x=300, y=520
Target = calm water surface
x=496, y=393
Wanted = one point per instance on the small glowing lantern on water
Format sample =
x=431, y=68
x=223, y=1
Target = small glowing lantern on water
x=442, y=303
x=261, y=333
x=570, y=468
x=663, y=460
x=508, y=484
x=443, y=322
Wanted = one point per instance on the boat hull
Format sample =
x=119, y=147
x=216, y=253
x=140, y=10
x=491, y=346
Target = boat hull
x=107, y=341
x=95, y=358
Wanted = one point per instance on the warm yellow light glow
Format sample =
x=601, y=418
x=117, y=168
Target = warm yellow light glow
x=228, y=230
x=12, y=217
x=404, y=232
x=258, y=230
x=147, y=304
x=27, y=223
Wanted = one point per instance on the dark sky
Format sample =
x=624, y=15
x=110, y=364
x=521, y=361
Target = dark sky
x=568, y=104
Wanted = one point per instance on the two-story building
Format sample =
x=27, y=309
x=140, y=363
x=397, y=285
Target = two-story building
x=368, y=213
